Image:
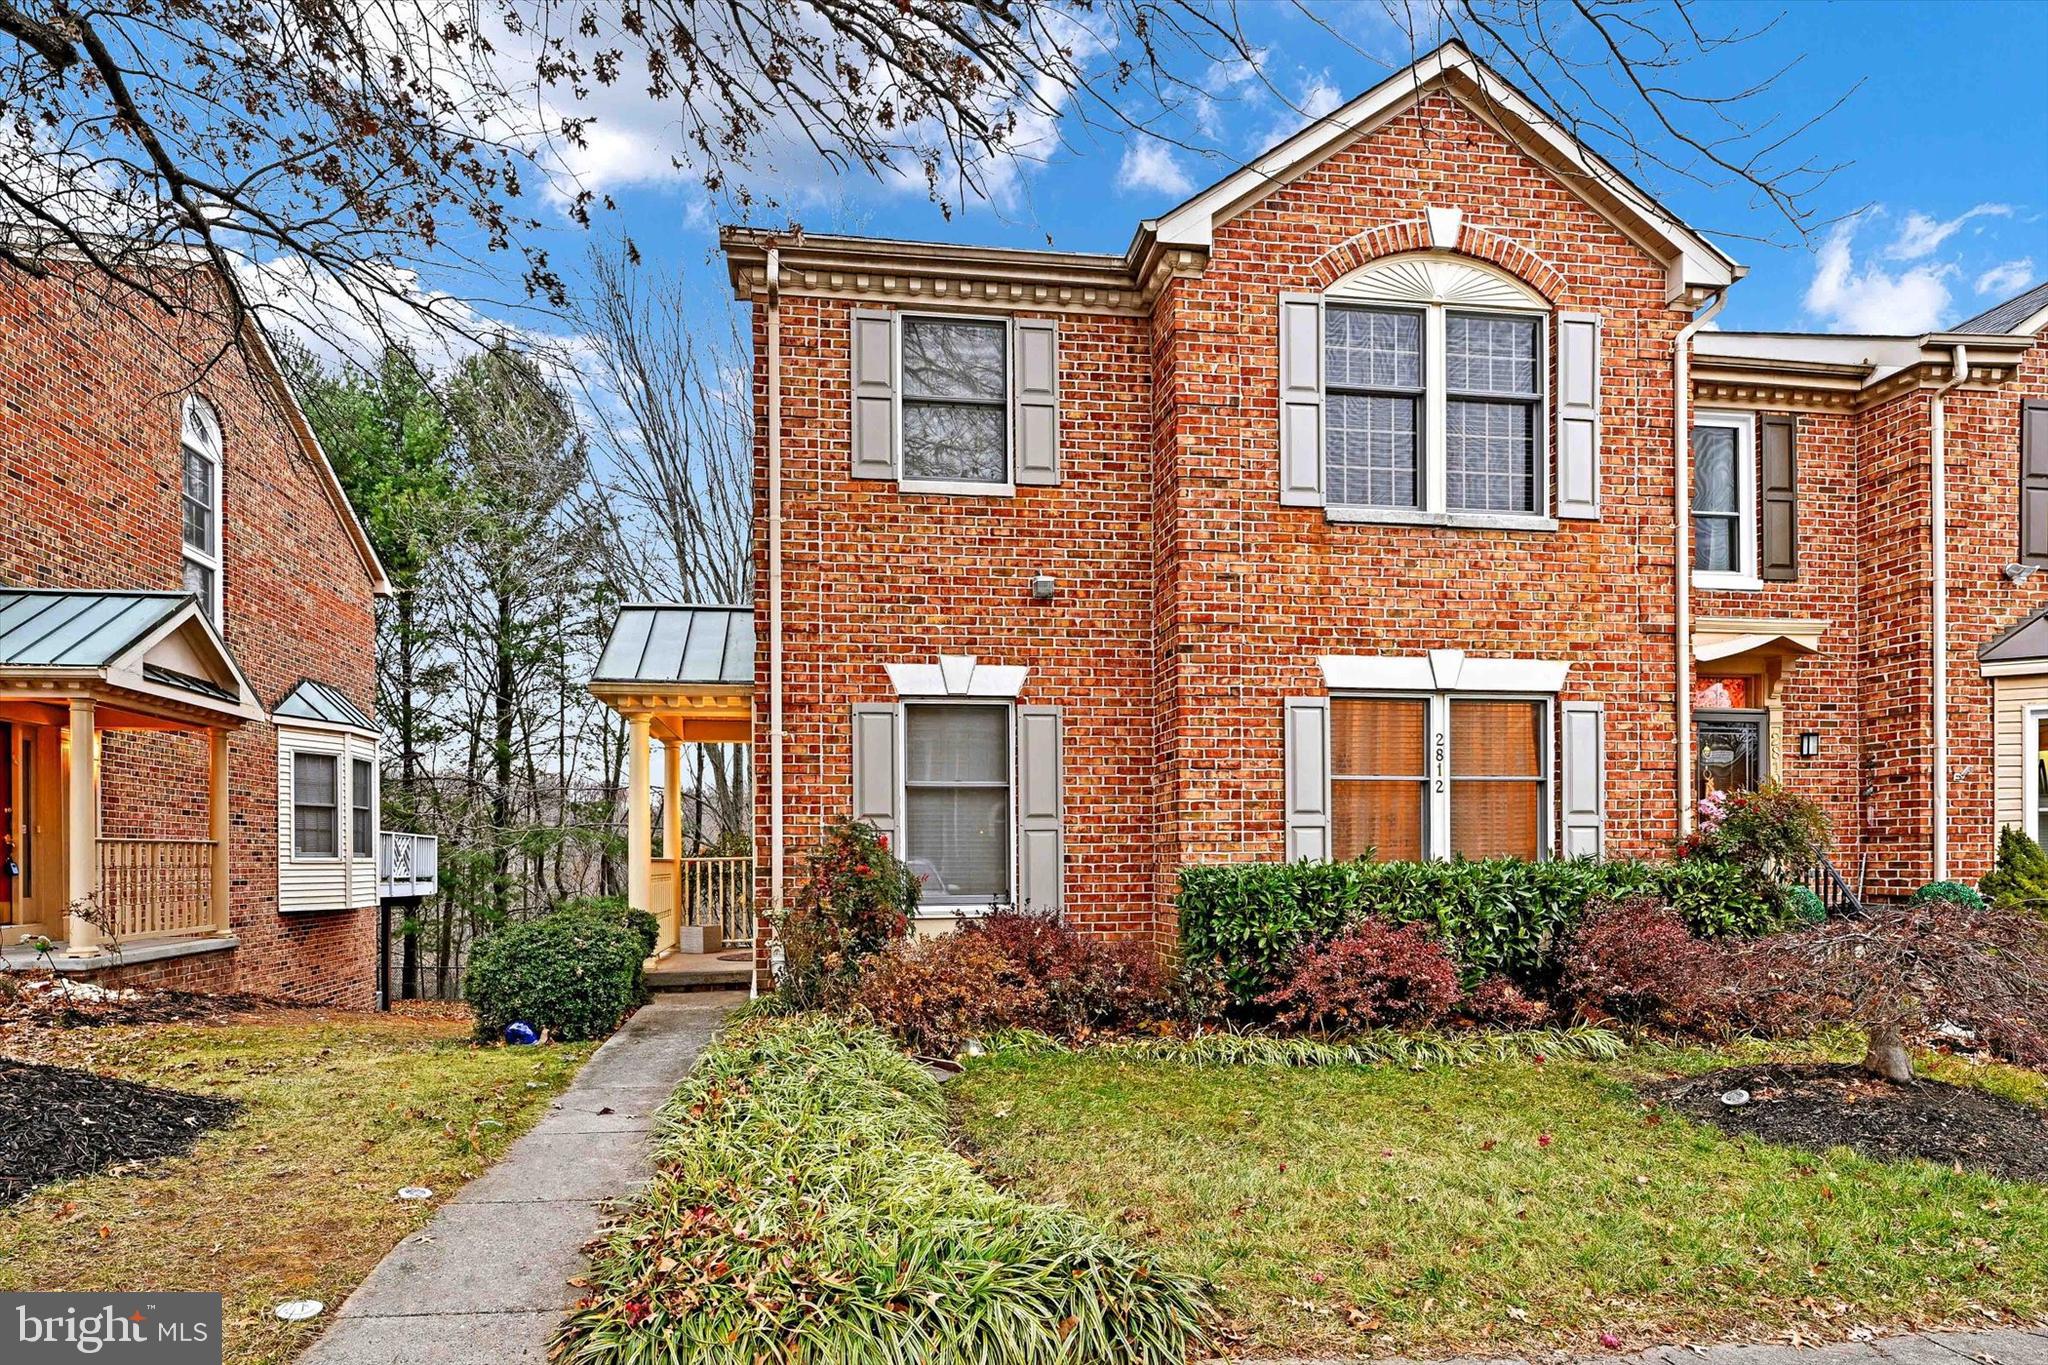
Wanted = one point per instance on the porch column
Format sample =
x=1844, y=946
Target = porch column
x=672, y=799
x=639, y=821
x=82, y=852
x=218, y=827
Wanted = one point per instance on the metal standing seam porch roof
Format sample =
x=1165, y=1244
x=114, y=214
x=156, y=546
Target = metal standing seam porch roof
x=666, y=646
x=51, y=631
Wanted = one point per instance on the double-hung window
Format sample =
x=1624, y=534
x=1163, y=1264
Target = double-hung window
x=199, y=501
x=956, y=809
x=1724, y=534
x=1374, y=375
x=361, y=784
x=956, y=401
x=1494, y=398
x=316, y=805
x=1439, y=776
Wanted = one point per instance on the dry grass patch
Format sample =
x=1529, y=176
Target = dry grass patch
x=1503, y=1207
x=296, y=1198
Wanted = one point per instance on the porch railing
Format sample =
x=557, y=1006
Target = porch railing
x=408, y=865
x=717, y=891
x=1824, y=881
x=157, y=888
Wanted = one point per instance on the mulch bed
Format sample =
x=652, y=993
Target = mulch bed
x=43, y=1000
x=1818, y=1106
x=63, y=1123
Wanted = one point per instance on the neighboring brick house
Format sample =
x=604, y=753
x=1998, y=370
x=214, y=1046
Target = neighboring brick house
x=1347, y=510
x=181, y=578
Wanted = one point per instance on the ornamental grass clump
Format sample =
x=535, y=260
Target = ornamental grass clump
x=808, y=1208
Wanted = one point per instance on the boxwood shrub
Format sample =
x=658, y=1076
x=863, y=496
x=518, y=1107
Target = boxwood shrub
x=572, y=974
x=1500, y=917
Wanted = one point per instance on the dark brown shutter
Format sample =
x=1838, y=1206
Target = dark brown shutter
x=1778, y=484
x=2034, y=482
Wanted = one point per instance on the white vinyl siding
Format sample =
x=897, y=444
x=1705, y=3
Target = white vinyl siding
x=347, y=878
x=2017, y=773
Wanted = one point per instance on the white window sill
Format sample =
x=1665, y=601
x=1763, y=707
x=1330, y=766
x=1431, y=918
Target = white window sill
x=957, y=489
x=1465, y=521
x=1715, y=580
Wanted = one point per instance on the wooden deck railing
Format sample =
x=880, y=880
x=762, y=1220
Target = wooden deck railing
x=157, y=888
x=717, y=891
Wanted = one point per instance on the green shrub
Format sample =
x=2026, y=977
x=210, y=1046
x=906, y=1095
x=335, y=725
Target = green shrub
x=1955, y=893
x=641, y=923
x=572, y=975
x=1500, y=917
x=2019, y=881
x=1774, y=833
x=808, y=1205
x=1804, y=906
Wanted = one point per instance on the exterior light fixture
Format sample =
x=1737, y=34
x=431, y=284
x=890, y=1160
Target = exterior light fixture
x=1042, y=587
x=2020, y=573
x=1809, y=744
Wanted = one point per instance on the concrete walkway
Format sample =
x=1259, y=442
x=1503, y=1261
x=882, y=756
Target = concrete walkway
x=486, y=1281
x=2009, y=1346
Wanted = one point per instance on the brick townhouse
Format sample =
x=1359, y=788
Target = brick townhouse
x=1391, y=494
x=187, y=655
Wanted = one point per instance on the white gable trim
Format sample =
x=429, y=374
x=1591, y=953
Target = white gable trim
x=1692, y=262
x=958, y=675
x=1441, y=670
x=126, y=670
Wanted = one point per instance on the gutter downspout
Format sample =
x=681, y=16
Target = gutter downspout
x=1681, y=525
x=1938, y=531
x=775, y=735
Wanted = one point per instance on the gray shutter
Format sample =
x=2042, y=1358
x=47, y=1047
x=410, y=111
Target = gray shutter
x=1037, y=365
x=1578, y=415
x=1584, y=801
x=1778, y=497
x=1308, y=778
x=1040, y=857
x=875, y=749
x=1301, y=400
x=874, y=395
x=2034, y=483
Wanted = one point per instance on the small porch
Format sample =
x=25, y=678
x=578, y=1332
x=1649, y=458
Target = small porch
x=80, y=671
x=682, y=675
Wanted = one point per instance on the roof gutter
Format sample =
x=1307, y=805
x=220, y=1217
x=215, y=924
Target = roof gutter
x=775, y=733
x=1938, y=533
x=1681, y=526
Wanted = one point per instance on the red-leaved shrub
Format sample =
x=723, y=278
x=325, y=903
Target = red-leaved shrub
x=1086, y=983
x=1499, y=1003
x=1375, y=974
x=934, y=994
x=1635, y=960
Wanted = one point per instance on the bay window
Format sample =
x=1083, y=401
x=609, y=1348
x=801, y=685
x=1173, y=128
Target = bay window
x=316, y=805
x=1438, y=776
x=956, y=801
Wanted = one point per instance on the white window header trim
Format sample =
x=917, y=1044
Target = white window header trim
x=958, y=675
x=1441, y=670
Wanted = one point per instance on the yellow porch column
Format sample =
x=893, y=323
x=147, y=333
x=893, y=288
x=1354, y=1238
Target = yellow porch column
x=219, y=829
x=671, y=799
x=82, y=851
x=639, y=820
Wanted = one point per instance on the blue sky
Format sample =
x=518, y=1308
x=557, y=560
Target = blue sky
x=1942, y=194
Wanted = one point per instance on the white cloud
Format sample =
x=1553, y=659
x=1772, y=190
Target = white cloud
x=1870, y=298
x=1149, y=164
x=1922, y=234
x=1315, y=96
x=2007, y=277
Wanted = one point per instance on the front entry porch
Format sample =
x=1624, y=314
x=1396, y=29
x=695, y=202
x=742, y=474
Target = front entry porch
x=93, y=686
x=683, y=675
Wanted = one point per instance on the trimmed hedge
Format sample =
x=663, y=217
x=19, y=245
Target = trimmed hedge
x=808, y=1205
x=572, y=974
x=1500, y=917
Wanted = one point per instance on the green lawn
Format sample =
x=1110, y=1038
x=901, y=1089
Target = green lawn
x=296, y=1198
x=1513, y=1205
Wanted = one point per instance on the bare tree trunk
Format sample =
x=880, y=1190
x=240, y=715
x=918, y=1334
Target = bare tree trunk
x=1887, y=1055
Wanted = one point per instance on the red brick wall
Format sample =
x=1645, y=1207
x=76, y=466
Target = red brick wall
x=1191, y=603
x=90, y=402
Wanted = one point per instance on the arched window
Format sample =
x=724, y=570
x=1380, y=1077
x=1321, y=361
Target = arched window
x=1435, y=371
x=199, y=444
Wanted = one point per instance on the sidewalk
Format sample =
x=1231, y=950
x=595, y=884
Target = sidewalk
x=2012, y=1346
x=486, y=1281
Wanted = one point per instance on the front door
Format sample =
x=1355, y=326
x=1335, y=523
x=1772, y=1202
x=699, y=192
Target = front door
x=1732, y=750
x=10, y=829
